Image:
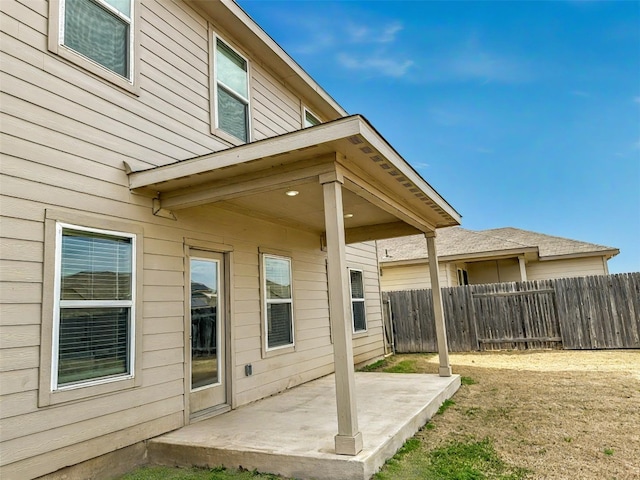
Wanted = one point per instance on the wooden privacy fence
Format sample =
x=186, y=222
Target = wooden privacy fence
x=572, y=313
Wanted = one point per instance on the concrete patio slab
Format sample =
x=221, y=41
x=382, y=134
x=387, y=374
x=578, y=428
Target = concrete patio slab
x=292, y=434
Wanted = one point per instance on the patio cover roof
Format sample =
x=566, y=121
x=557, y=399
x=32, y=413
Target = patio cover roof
x=383, y=195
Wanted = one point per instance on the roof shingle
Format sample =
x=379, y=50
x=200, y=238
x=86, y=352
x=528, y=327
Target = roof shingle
x=460, y=241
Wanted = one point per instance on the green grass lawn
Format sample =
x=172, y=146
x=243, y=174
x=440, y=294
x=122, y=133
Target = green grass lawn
x=471, y=459
x=218, y=473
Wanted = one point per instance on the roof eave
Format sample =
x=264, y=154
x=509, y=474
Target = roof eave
x=234, y=19
x=609, y=253
x=345, y=129
x=466, y=257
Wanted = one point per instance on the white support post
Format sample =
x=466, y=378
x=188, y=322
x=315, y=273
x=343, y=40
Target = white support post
x=438, y=309
x=348, y=441
x=523, y=269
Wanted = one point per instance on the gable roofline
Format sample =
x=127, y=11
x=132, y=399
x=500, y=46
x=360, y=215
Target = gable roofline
x=552, y=246
x=246, y=31
x=489, y=244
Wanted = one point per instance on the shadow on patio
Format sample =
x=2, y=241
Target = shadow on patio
x=292, y=434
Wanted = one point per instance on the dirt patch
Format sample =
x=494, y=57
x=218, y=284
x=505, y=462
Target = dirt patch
x=559, y=414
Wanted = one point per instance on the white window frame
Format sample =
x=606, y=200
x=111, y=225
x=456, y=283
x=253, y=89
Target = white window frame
x=59, y=304
x=266, y=301
x=48, y=392
x=57, y=46
x=358, y=300
x=214, y=85
x=305, y=112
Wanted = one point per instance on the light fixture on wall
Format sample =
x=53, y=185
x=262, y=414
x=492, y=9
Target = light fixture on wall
x=348, y=215
x=292, y=193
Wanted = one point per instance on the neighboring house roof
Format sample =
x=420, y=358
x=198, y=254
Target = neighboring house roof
x=459, y=243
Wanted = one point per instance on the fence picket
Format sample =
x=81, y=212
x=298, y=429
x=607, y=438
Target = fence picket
x=575, y=313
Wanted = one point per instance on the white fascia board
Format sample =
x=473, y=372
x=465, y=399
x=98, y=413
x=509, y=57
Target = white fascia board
x=296, y=69
x=267, y=147
x=598, y=253
x=379, y=143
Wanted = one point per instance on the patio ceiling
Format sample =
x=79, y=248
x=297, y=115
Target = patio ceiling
x=382, y=196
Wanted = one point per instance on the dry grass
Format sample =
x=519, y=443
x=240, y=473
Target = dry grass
x=559, y=414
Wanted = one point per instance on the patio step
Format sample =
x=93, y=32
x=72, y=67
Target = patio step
x=292, y=434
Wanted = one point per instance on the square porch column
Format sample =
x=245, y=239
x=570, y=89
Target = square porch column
x=348, y=441
x=438, y=309
x=523, y=268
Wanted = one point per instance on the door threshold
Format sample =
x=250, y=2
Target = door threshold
x=209, y=412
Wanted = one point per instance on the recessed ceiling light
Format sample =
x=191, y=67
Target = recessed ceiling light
x=292, y=193
x=348, y=215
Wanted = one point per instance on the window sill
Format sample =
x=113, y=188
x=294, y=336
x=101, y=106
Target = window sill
x=97, y=71
x=360, y=333
x=227, y=137
x=57, y=397
x=278, y=351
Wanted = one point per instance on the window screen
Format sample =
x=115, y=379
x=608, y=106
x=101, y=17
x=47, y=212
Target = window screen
x=279, y=301
x=100, y=33
x=232, y=84
x=95, y=301
x=357, y=301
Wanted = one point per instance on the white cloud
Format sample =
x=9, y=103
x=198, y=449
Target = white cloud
x=389, y=32
x=376, y=64
x=317, y=41
x=356, y=33
x=486, y=66
x=469, y=60
x=418, y=165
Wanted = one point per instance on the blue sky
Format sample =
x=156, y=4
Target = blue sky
x=522, y=114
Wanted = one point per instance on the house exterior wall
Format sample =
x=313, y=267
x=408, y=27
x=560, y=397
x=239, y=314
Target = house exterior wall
x=494, y=271
x=415, y=277
x=65, y=137
x=574, y=267
x=363, y=256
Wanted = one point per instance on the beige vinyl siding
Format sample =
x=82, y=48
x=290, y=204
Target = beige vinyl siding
x=313, y=355
x=413, y=277
x=370, y=344
x=275, y=109
x=65, y=136
x=160, y=397
x=494, y=271
x=574, y=267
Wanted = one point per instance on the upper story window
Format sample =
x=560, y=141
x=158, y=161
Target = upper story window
x=310, y=120
x=95, y=298
x=231, y=92
x=358, y=313
x=98, y=35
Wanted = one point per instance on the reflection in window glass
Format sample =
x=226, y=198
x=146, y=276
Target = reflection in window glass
x=232, y=91
x=279, y=301
x=204, y=325
x=95, y=32
x=95, y=300
x=357, y=300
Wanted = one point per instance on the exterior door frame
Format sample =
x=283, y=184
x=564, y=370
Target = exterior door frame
x=226, y=251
